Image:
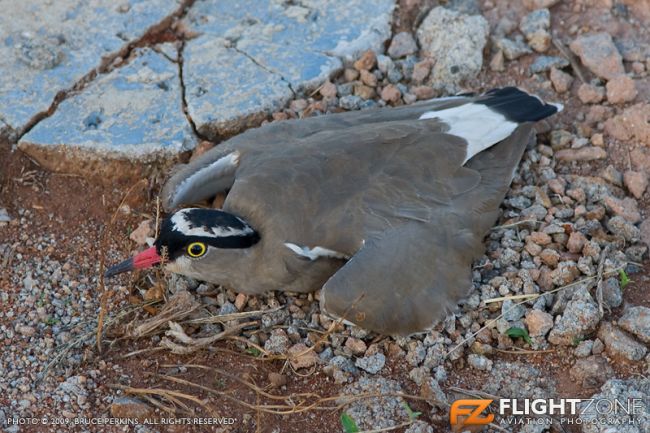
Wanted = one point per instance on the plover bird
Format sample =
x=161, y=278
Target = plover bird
x=383, y=210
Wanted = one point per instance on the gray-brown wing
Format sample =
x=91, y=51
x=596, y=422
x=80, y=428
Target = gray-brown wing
x=402, y=280
x=335, y=189
x=205, y=177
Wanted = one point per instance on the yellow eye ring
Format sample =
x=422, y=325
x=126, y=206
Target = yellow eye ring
x=196, y=249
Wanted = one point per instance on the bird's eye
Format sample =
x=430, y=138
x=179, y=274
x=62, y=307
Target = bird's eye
x=196, y=249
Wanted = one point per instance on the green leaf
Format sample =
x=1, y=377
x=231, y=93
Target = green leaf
x=254, y=351
x=623, y=278
x=348, y=423
x=412, y=414
x=515, y=332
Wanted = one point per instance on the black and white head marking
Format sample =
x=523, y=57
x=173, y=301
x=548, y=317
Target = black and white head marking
x=210, y=226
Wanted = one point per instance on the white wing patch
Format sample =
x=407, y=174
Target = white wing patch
x=480, y=126
x=315, y=253
x=181, y=224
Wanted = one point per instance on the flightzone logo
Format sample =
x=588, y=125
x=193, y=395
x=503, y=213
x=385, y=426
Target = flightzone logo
x=567, y=411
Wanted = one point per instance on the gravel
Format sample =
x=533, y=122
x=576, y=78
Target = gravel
x=599, y=54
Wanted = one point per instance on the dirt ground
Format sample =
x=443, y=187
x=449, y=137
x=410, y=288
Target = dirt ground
x=76, y=212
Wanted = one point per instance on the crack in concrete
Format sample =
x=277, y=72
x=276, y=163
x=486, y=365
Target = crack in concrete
x=186, y=110
x=264, y=67
x=110, y=62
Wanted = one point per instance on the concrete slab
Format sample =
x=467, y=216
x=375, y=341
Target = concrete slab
x=252, y=55
x=47, y=46
x=134, y=112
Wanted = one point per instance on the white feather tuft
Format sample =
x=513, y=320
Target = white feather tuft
x=314, y=253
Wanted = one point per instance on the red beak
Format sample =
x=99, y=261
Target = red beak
x=143, y=260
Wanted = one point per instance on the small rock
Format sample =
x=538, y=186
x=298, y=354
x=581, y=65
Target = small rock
x=597, y=140
x=328, y=90
x=636, y=182
x=561, y=80
x=540, y=41
x=384, y=64
x=434, y=394
x=546, y=63
x=423, y=92
x=128, y=407
x=27, y=331
x=240, y=301
x=497, y=63
x=421, y=70
x=512, y=49
x=576, y=242
x=356, y=346
x=550, y=257
x=456, y=42
x=539, y=19
x=599, y=54
x=540, y=238
x=590, y=372
x=579, y=318
x=350, y=102
x=590, y=94
x=621, y=89
x=636, y=320
x=612, y=175
x=364, y=92
x=4, y=216
x=611, y=290
x=620, y=344
x=278, y=342
x=634, y=122
x=144, y=231
x=366, y=62
x=479, y=362
x=626, y=208
x=372, y=364
x=584, y=348
x=620, y=227
x=350, y=75
x=402, y=45
x=587, y=153
x=391, y=93
x=300, y=356
x=538, y=323
x=537, y=4
x=368, y=78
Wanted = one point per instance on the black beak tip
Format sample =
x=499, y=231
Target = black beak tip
x=125, y=266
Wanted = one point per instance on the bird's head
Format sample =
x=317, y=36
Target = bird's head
x=193, y=242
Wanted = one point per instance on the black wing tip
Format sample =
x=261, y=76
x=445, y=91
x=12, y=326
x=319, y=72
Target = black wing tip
x=518, y=106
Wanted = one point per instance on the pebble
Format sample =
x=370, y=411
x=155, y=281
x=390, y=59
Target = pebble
x=634, y=122
x=479, y=362
x=277, y=380
x=367, y=61
x=391, y=93
x=143, y=232
x=636, y=182
x=421, y=70
x=535, y=27
x=620, y=227
x=512, y=49
x=621, y=89
x=538, y=323
x=590, y=94
x=576, y=242
x=301, y=357
x=402, y=45
x=372, y=364
x=580, y=317
x=636, y=320
x=423, y=92
x=356, y=346
x=456, y=42
x=611, y=290
x=587, y=153
x=599, y=54
x=419, y=427
x=4, y=216
x=626, y=208
x=27, y=331
x=128, y=407
x=591, y=371
x=497, y=63
x=350, y=102
x=584, y=348
x=546, y=63
x=328, y=90
x=561, y=80
x=368, y=78
x=278, y=342
x=619, y=344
